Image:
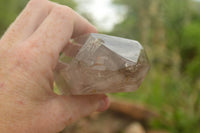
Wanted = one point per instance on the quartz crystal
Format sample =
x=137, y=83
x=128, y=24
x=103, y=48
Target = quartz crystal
x=97, y=63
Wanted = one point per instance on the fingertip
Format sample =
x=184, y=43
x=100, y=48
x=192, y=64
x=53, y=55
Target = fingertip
x=94, y=29
x=91, y=28
x=83, y=26
x=104, y=104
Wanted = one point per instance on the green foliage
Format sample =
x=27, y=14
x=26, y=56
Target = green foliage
x=169, y=30
x=190, y=49
x=9, y=9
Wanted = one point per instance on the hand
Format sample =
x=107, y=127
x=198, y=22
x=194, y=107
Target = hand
x=29, y=52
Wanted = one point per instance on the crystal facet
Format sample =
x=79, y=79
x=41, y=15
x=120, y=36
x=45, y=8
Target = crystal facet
x=97, y=63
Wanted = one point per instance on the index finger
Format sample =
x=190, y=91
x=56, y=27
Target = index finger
x=56, y=30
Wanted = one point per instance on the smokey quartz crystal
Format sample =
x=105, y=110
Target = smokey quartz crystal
x=97, y=63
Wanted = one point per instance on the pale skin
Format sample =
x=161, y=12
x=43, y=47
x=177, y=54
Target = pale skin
x=29, y=52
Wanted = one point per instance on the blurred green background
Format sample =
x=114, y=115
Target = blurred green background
x=170, y=33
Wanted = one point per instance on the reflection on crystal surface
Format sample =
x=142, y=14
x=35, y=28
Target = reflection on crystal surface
x=103, y=64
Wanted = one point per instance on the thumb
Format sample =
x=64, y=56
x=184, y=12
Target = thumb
x=73, y=108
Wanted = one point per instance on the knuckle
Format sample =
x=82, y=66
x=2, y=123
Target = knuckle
x=66, y=9
x=34, y=3
x=63, y=11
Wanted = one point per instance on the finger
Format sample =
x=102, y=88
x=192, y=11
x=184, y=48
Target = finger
x=80, y=26
x=76, y=107
x=28, y=21
x=71, y=49
x=64, y=110
x=57, y=29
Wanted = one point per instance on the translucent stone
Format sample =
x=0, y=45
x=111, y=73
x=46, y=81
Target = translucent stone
x=97, y=63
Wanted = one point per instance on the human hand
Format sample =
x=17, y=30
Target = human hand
x=29, y=52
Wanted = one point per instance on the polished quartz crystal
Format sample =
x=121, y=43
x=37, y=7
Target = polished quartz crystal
x=97, y=63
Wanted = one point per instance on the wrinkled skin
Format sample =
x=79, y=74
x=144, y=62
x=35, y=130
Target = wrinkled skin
x=29, y=52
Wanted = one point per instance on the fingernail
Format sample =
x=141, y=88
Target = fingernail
x=104, y=104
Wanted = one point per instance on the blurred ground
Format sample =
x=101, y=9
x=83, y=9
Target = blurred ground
x=121, y=117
